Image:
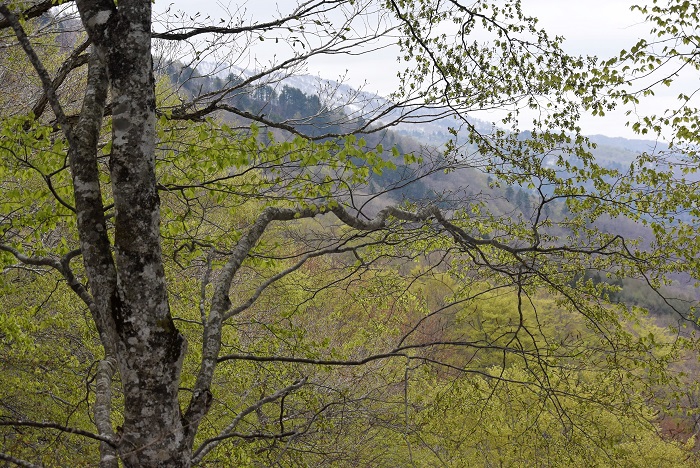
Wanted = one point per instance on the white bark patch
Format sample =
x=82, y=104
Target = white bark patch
x=99, y=19
x=151, y=272
x=91, y=187
x=144, y=332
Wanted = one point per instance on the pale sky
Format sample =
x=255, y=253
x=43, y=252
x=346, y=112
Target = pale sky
x=591, y=27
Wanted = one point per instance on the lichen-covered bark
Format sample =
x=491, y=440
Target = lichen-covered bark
x=149, y=349
x=211, y=342
x=94, y=242
x=103, y=409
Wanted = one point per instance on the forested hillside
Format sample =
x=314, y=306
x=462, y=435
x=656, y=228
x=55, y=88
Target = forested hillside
x=220, y=269
x=298, y=110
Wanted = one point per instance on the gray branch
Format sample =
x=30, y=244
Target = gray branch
x=46, y=81
x=211, y=340
x=103, y=410
x=62, y=266
x=17, y=461
x=59, y=427
x=209, y=444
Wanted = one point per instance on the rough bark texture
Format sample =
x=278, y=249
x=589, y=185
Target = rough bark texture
x=149, y=349
x=121, y=244
x=103, y=409
x=128, y=295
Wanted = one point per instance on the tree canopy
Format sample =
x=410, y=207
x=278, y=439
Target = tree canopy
x=205, y=265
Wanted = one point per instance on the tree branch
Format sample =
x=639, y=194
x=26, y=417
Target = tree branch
x=103, y=410
x=209, y=444
x=59, y=427
x=75, y=60
x=237, y=310
x=46, y=81
x=31, y=12
x=319, y=362
x=309, y=8
x=62, y=266
x=211, y=340
x=464, y=239
x=17, y=461
x=92, y=224
x=396, y=352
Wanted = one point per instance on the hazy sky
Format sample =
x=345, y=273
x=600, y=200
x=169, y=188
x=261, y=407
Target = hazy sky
x=591, y=27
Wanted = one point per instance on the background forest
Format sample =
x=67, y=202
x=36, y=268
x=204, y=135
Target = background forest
x=207, y=263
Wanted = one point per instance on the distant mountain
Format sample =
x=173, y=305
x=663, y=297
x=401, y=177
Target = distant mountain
x=289, y=97
x=295, y=98
x=637, y=146
x=331, y=94
x=358, y=103
x=315, y=105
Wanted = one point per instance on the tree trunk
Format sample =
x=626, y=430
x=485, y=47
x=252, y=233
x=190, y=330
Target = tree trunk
x=149, y=349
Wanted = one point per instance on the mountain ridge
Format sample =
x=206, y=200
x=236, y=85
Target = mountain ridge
x=338, y=95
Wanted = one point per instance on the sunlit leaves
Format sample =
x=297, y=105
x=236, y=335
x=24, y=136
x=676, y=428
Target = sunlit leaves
x=47, y=350
x=520, y=423
x=37, y=189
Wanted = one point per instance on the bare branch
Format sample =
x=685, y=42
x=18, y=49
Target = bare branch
x=103, y=410
x=75, y=60
x=31, y=12
x=309, y=8
x=211, y=342
x=319, y=362
x=46, y=81
x=396, y=352
x=59, y=427
x=209, y=444
x=17, y=461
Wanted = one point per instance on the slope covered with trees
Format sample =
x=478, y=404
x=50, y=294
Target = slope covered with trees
x=180, y=288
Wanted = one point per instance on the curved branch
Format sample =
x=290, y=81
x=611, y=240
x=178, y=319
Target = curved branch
x=59, y=427
x=31, y=12
x=46, y=81
x=17, y=461
x=220, y=304
x=59, y=199
x=209, y=444
x=62, y=266
x=75, y=60
x=464, y=239
x=369, y=126
x=27, y=260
